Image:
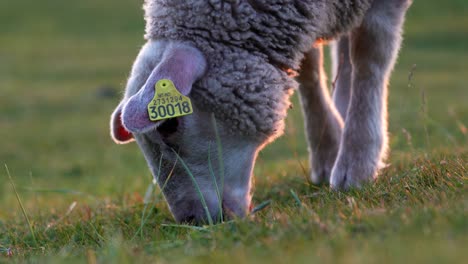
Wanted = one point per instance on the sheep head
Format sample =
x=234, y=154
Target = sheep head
x=178, y=148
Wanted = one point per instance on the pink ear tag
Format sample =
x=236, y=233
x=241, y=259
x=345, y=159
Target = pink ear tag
x=168, y=102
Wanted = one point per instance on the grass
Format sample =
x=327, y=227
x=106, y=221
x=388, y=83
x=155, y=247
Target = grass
x=20, y=203
x=85, y=196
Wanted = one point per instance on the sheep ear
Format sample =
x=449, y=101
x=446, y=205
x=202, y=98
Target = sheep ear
x=118, y=132
x=183, y=65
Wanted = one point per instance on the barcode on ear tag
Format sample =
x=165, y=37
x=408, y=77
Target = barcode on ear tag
x=168, y=102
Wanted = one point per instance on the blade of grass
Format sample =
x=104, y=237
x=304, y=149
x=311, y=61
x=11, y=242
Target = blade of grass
x=162, y=190
x=260, y=207
x=220, y=153
x=298, y=201
x=97, y=234
x=148, y=202
x=149, y=194
x=69, y=211
x=197, y=228
x=169, y=176
x=200, y=194
x=145, y=217
x=22, y=207
x=218, y=193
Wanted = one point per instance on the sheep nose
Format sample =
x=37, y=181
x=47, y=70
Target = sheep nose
x=195, y=212
x=199, y=219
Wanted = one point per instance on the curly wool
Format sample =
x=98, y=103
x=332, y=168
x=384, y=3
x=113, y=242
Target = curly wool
x=248, y=45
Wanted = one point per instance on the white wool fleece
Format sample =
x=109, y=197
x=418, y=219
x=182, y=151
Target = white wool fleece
x=248, y=45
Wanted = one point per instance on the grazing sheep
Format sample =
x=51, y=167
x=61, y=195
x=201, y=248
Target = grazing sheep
x=233, y=58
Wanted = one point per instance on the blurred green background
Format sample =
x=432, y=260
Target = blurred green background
x=64, y=64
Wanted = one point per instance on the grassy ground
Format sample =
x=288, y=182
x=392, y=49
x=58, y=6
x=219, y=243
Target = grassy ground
x=85, y=196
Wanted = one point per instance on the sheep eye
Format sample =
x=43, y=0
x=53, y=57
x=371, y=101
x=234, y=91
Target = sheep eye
x=168, y=127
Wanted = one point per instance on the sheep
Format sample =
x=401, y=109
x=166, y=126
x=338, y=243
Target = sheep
x=235, y=60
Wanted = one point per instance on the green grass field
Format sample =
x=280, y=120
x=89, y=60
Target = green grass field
x=85, y=196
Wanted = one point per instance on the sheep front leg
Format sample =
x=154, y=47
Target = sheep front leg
x=323, y=123
x=374, y=48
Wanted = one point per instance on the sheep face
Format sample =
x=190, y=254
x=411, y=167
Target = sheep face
x=200, y=183
x=188, y=145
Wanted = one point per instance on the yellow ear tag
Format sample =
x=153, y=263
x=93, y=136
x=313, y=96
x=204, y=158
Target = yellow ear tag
x=168, y=102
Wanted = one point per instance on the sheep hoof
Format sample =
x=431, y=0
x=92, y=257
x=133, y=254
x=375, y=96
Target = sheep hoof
x=320, y=173
x=322, y=164
x=351, y=171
